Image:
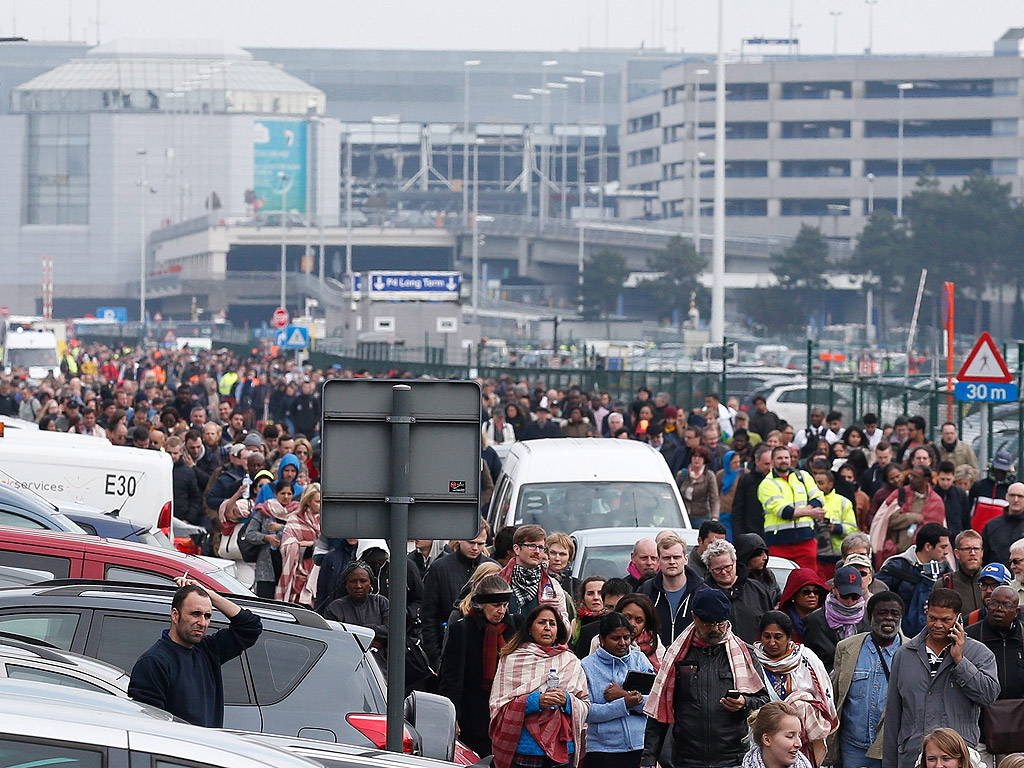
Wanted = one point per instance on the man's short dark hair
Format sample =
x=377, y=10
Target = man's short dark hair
x=528, y=533
x=870, y=418
x=193, y=434
x=929, y=533
x=758, y=399
x=271, y=431
x=503, y=542
x=901, y=421
x=708, y=527
x=947, y=466
x=834, y=415
x=237, y=411
x=184, y=592
x=885, y=597
x=741, y=432
x=714, y=395
x=615, y=588
x=946, y=598
x=948, y=424
x=140, y=434
x=761, y=450
x=919, y=423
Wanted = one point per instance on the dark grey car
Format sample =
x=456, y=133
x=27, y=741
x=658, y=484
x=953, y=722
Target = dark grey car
x=305, y=676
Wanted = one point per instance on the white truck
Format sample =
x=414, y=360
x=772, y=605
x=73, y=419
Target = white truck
x=37, y=351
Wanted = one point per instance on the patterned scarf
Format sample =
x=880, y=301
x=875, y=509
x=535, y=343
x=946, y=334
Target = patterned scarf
x=744, y=674
x=525, y=583
x=494, y=641
x=754, y=759
x=645, y=642
x=841, y=618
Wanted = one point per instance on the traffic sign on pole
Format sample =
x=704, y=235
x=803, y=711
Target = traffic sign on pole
x=280, y=318
x=292, y=337
x=985, y=364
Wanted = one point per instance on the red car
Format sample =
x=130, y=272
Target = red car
x=79, y=556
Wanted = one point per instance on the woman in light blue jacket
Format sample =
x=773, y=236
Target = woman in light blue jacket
x=616, y=723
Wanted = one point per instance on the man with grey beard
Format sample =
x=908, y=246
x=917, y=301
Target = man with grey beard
x=861, y=683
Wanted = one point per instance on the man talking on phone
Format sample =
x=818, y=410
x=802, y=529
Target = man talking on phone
x=940, y=678
x=181, y=673
x=708, y=683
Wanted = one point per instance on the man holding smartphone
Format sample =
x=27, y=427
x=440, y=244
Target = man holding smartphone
x=940, y=678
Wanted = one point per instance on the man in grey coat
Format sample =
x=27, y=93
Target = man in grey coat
x=941, y=678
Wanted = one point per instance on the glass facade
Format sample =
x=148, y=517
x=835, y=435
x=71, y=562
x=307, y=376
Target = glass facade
x=58, y=170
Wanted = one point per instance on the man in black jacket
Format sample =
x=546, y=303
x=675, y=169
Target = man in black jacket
x=187, y=499
x=542, y=427
x=181, y=673
x=442, y=586
x=958, y=510
x=845, y=616
x=873, y=479
x=747, y=512
x=1000, y=631
x=672, y=590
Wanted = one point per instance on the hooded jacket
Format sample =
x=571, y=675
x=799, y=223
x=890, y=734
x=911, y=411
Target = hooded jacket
x=288, y=460
x=799, y=579
x=672, y=626
x=748, y=545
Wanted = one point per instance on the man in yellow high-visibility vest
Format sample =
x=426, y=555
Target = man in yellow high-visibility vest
x=792, y=504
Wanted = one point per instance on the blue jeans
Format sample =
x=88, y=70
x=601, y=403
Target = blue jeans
x=854, y=757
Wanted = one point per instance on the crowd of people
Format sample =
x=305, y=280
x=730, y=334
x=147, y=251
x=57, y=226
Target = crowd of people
x=895, y=641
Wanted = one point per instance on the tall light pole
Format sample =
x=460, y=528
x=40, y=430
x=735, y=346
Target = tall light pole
x=835, y=31
x=143, y=189
x=901, y=88
x=286, y=183
x=601, y=170
x=466, y=66
x=695, y=172
x=564, y=88
x=476, y=228
x=718, y=242
x=581, y=174
x=871, y=194
x=349, y=278
x=544, y=196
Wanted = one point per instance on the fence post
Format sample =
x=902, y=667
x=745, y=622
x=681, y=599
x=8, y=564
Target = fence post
x=933, y=415
x=810, y=376
x=725, y=365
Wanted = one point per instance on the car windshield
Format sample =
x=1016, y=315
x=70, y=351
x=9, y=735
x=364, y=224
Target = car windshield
x=577, y=506
x=32, y=357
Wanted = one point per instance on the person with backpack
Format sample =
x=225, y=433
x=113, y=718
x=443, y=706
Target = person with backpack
x=912, y=574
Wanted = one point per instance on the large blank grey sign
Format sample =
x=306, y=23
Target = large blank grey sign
x=357, y=458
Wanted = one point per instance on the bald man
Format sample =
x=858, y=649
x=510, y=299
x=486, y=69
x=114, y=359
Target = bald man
x=643, y=563
x=1000, y=532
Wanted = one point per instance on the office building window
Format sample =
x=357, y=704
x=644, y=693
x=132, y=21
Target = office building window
x=746, y=207
x=674, y=94
x=912, y=128
x=643, y=156
x=821, y=129
x=814, y=206
x=912, y=168
x=673, y=170
x=930, y=89
x=644, y=123
x=58, y=170
x=815, y=168
x=736, y=130
x=826, y=90
x=738, y=91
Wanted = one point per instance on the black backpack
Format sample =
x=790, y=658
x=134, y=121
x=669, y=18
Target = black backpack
x=250, y=552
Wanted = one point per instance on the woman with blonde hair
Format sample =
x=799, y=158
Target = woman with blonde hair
x=298, y=574
x=944, y=748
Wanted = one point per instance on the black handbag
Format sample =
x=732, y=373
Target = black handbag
x=1004, y=726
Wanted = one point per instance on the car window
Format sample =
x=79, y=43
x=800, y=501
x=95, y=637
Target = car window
x=610, y=562
x=57, y=629
x=18, y=521
x=88, y=528
x=58, y=566
x=135, y=576
x=576, y=506
x=279, y=662
x=120, y=640
x=19, y=672
x=23, y=754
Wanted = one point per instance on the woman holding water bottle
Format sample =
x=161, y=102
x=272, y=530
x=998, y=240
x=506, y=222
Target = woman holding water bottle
x=540, y=700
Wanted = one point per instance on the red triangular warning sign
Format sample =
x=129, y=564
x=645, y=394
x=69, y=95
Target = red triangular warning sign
x=984, y=364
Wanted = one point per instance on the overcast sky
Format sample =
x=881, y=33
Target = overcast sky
x=900, y=26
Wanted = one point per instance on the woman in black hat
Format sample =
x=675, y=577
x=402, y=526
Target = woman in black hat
x=470, y=657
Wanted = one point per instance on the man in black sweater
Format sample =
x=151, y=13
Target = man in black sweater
x=181, y=673
x=747, y=512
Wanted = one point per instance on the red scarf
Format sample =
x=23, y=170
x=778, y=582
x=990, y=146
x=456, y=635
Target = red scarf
x=494, y=641
x=645, y=642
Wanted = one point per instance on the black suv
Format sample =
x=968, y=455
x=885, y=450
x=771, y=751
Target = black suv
x=304, y=677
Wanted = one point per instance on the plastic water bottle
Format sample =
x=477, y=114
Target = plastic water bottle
x=551, y=682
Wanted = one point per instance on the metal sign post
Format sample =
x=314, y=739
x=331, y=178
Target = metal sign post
x=400, y=461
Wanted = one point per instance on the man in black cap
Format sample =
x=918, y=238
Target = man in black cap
x=544, y=426
x=987, y=498
x=709, y=682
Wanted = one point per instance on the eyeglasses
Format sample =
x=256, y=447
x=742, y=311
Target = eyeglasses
x=723, y=568
x=535, y=547
x=714, y=624
x=1016, y=560
x=968, y=549
x=1001, y=606
x=807, y=591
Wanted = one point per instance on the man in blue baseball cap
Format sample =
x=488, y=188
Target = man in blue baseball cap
x=992, y=575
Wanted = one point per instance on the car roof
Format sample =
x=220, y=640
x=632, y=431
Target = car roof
x=573, y=459
x=13, y=649
x=605, y=537
x=84, y=541
x=363, y=756
x=35, y=716
x=25, y=690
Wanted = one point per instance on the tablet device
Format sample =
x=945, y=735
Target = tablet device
x=639, y=681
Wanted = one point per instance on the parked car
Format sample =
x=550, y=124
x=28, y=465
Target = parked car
x=305, y=676
x=38, y=663
x=81, y=556
x=21, y=509
x=569, y=484
x=111, y=526
x=789, y=402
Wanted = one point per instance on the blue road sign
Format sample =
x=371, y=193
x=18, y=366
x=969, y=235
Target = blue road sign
x=986, y=392
x=292, y=337
x=415, y=286
x=113, y=314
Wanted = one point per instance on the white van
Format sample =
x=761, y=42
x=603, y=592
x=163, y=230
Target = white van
x=35, y=350
x=89, y=470
x=570, y=484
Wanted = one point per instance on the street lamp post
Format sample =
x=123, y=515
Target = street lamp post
x=526, y=177
x=871, y=24
x=143, y=187
x=835, y=31
x=466, y=65
x=695, y=205
x=581, y=174
x=901, y=88
x=718, y=241
x=602, y=171
x=286, y=183
x=349, y=281
x=562, y=187
x=476, y=228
